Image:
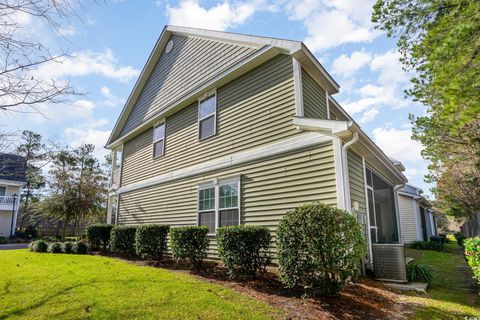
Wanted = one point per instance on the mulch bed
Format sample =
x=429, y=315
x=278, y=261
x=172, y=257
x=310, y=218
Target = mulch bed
x=364, y=299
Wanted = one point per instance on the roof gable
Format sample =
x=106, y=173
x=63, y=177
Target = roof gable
x=190, y=63
x=12, y=167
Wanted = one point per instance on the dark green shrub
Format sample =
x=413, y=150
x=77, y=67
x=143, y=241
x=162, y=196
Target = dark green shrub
x=460, y=238
x=31, y=232
x=3, y=240
x=189, y=243
x=472, y=253
x=79, y=247
x=55, y=247
x=244, y=249
x=98, y=236
x=67, y=247
x=38, y=246
x=427, y=245
x=122, y=239
x=319, y=247
x=419, y=273
x=151, y=241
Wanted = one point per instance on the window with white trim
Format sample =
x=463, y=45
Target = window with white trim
x=3, y=191
x=219, y=205
x=207, y=117
x=159, y=140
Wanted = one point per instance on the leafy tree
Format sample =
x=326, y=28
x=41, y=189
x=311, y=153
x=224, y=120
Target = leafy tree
x=78, y=187
x=34, y=151
x=440, y=42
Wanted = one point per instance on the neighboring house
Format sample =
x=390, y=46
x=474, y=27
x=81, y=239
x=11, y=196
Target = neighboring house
x=417, y=219
x=225, y=129
x=12, y=177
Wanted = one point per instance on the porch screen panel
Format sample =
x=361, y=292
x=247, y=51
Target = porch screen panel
x=385, y=215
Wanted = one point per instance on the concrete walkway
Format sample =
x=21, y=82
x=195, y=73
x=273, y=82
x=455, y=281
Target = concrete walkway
x=13, y=246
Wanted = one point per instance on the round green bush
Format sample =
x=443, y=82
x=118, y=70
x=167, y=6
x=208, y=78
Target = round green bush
x=244, y=250
x=67, y=247
x=319, y=247
x=151, y=241
x=189, y=243
x=55, y=247
x=122, y=239
x=38, y=246
x=98, y=235
x=79, y=247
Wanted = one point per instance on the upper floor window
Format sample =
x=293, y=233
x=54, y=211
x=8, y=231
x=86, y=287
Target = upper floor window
x=3, y=191
x=207, y=117
x=159, y=140
x=219, y=205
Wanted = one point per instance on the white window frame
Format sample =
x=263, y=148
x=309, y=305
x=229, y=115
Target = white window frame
x=216, y=184
x=161, y=139
x=2, y=186
x=204, y=97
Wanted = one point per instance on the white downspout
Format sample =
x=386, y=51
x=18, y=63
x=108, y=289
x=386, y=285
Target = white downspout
x=397, y=211
x=346, y=180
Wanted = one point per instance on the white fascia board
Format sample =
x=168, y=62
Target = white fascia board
x=336, y=127
x=242, y=67
x=297, y=80
x=288, y=46
x=11, y=183
x=410, y=195
x=295, y=143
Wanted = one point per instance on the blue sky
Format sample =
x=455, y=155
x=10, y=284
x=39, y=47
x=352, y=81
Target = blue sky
x=110, y=46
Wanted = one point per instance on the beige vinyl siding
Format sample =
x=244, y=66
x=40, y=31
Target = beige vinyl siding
x=5, y=222
x=192, y=62
x=406, y=207
x=269, y=188
x=357, y=182
x=314, y=98
x=255, y=109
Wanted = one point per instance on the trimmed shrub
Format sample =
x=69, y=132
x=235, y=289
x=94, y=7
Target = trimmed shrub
x=460, y=238
x=427, y=245
x=122, y=239
x=98, y=235
x=189, y=243
x=79, y=247
x=55, y=247
x=419, y=273
x=472, y=253
x=38, y=246
x=3, y=240
x=244, y=249
x=67, y=247
x=151, y=241
x=319, y=248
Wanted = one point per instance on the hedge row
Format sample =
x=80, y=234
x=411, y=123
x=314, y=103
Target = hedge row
x=77, y=247
x=319, y=246
x=472, y=253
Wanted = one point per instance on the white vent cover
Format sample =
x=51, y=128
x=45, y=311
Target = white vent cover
x=169, y=46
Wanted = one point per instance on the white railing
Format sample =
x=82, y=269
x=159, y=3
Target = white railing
x=7, y=199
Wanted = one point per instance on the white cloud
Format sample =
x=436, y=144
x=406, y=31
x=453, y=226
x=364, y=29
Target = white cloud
x=346, y=65
x=111, y=100
x=190, y=13
x=331, y=23
x=86, y=63
x=398, y=144
x=91, y=133
x=368, y=116
x=389, y=67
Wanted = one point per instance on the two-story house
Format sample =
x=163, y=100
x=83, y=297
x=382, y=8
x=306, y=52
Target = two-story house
x=12, y=178
x=225, y=129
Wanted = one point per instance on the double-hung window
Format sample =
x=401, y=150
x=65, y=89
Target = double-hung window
x=159, y=140
x=219, y=205
x=207, y=117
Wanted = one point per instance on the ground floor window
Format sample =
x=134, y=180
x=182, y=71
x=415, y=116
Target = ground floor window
x=218, y=204
x=381, y=210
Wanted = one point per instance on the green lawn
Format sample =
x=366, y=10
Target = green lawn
x=60, y=286
x=450, y=295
